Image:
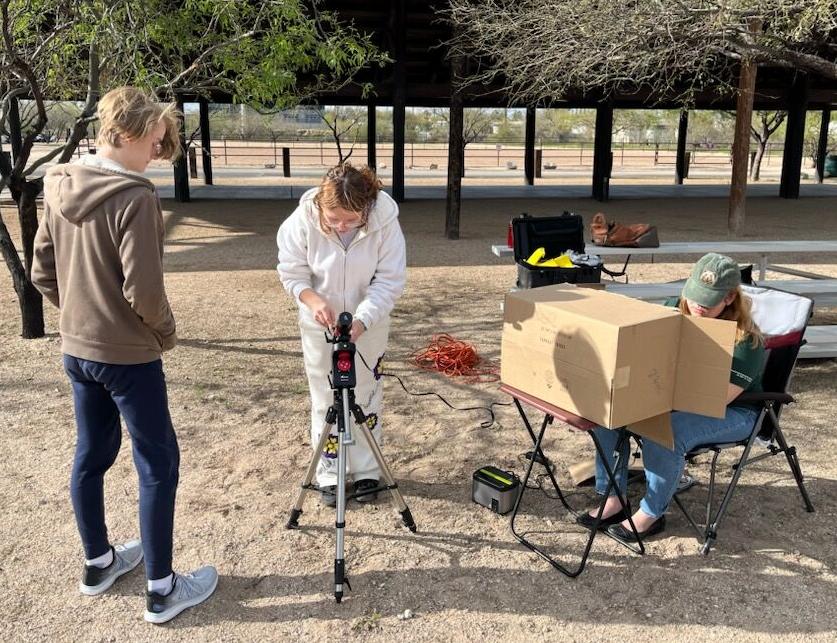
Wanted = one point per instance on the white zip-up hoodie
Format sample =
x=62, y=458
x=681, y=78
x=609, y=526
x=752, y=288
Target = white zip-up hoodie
x=364, y=279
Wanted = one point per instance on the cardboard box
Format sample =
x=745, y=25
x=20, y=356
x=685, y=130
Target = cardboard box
x=614, y=360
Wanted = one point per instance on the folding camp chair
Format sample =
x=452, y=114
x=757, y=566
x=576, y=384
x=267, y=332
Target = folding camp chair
x=782, y=318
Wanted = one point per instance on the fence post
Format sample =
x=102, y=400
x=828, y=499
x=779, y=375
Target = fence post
x=622, y=159
x=193, y=162
x=225, y=150
x=322, y=162
x=273, y=137
x=538, y=162
x=286, y=161
x=581, y=154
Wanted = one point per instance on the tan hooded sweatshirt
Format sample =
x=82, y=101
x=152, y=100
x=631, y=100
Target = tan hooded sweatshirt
x=99, y=258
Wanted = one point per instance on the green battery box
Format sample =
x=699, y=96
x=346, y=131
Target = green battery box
x=494, y=488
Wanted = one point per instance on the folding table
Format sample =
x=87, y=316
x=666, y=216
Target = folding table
x=552, y=412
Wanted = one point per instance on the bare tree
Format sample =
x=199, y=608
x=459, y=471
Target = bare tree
x=477, y=123
x=342, y=122
x=768, y=123
x=546, y=49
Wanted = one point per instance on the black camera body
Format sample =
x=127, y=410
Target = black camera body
x=343, y=374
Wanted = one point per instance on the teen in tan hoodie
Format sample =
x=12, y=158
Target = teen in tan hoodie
x=98, y=258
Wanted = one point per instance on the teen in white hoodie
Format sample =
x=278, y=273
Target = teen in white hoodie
x=342, y=250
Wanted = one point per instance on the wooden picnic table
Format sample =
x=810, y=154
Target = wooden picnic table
x=761, y=248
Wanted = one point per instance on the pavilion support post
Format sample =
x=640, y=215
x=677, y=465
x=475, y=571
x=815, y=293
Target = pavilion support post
x=680, y=170
x=794, y=138
x=602, y=155
x=399, y=99
x=181, y=169
x=822, y=145
x=529, y=151
x=206, y=141
x=371, y=135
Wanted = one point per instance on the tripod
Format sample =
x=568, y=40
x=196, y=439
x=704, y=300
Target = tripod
x=342, y=411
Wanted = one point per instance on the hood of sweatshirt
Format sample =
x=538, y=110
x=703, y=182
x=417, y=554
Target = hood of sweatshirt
x=382, y=213
x=74, y=190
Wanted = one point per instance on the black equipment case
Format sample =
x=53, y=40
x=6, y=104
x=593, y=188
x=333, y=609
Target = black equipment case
x=556, y=235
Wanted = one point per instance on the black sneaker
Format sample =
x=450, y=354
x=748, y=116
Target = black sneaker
x=187, y=591
x=328, y=495
x=96, y=580
x=362, y=486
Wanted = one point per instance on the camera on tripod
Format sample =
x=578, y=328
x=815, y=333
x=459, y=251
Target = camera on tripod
x=343, y=374
x=346, y=413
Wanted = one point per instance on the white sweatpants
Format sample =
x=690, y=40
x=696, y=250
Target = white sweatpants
x=361, y=463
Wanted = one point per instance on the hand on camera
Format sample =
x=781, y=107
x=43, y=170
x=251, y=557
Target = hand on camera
x=323, y=314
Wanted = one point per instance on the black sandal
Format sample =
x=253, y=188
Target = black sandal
x=627, y=536
x=587, y=521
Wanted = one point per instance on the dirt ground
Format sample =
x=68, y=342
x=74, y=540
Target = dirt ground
x=240, y=406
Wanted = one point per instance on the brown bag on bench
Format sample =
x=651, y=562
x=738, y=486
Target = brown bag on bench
x=635, y=235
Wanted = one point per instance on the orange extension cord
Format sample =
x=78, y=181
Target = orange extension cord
x=454, y=358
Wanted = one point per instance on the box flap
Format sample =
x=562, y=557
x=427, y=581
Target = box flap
x=657, y=428
x=600, y=305
x=644, y=376
x=704, y=362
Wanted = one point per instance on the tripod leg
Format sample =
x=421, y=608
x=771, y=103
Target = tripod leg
x=296, y=511
x=386, y=473
x=344, y=419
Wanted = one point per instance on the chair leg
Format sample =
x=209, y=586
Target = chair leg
x=796, y=470
x=712, y=528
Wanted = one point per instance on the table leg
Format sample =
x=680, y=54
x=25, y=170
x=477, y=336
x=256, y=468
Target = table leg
x=538, y=441
x=611, y=484
x=538, y=451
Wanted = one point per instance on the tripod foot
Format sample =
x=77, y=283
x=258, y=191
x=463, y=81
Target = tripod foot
x=340, y=579
x=293, y=519
x=407, y=519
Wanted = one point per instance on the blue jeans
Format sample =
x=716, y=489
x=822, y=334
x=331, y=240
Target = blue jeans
x=663, y=467
x=137, y=392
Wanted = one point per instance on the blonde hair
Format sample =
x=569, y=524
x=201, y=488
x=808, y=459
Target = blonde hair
x=350, y=188
x=128, y=113
x=738, y=310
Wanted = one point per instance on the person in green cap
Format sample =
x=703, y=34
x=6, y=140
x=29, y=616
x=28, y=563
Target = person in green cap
x=713, y=291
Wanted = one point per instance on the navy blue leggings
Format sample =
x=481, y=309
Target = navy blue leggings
x=137, y=392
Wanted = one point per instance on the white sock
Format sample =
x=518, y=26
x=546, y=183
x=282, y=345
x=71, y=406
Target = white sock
x=162, y=586
x=102, y=561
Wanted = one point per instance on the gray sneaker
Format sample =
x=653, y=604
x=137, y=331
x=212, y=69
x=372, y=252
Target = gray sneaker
x=96, y=580
x=188, y=590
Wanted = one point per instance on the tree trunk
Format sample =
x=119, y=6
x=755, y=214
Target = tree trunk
x=741, y=147
x=31, y=302
x=456, y=151
x=29, y=299
x=762, y=145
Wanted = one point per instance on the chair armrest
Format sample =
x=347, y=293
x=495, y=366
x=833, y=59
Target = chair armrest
x=757, y=398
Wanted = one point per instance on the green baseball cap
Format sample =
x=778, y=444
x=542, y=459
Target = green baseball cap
x=712, y=278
